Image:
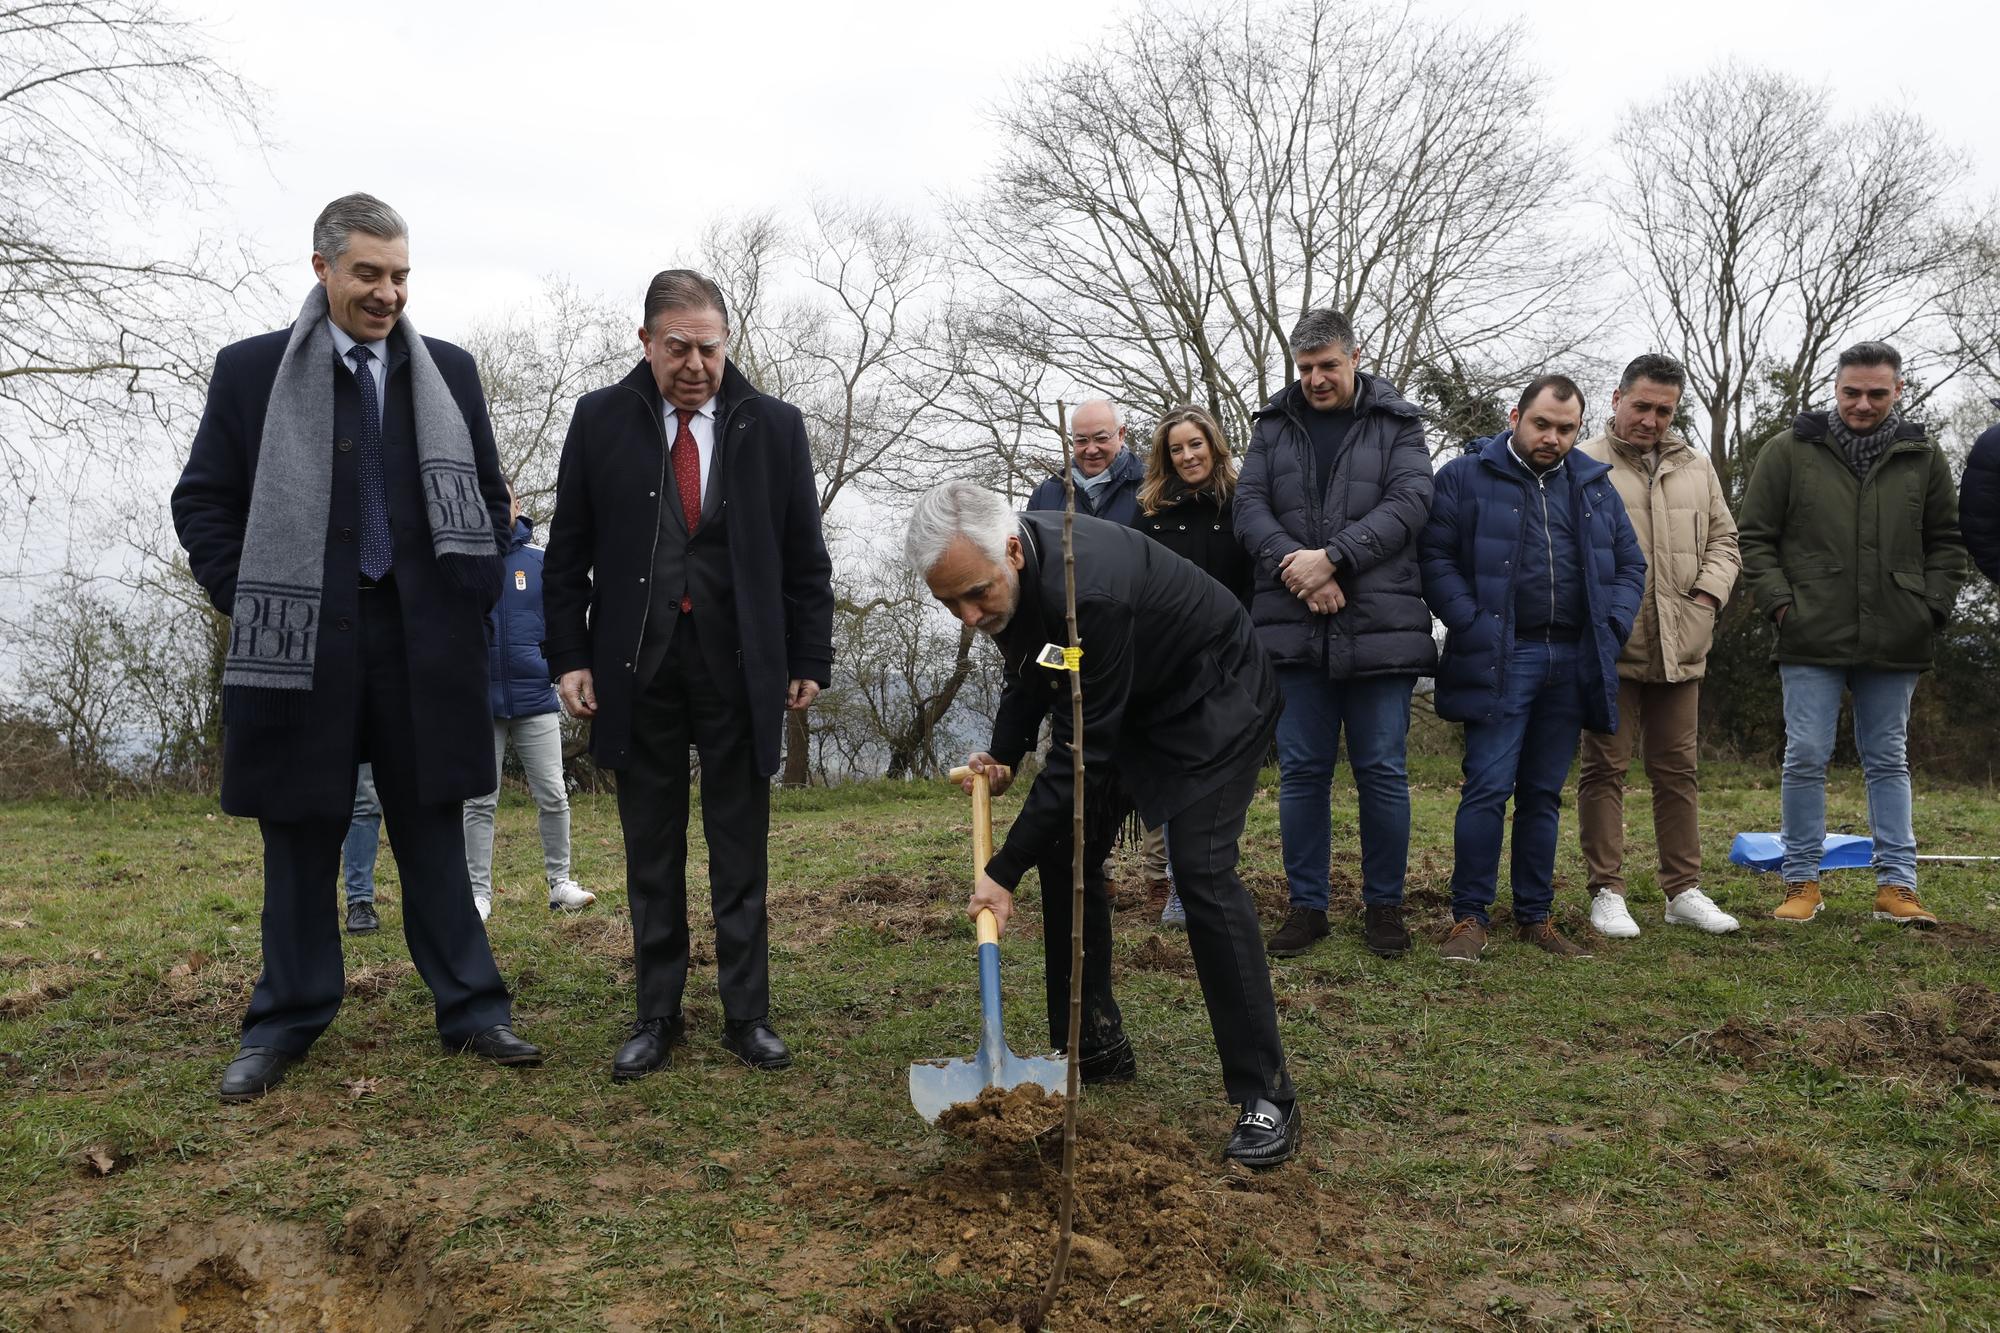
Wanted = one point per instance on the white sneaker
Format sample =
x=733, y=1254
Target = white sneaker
x=566, y=895
x=1610, y=918
x=483, y=906
x=1692, y=907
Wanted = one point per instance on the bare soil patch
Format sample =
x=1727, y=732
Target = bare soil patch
x=243, y=1275
x=1945, y=1036
x=1162, y=1229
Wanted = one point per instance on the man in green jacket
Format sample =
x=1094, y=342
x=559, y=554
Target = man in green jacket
x=1850, y=543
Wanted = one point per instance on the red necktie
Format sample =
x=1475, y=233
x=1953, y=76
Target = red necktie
x=687, y=477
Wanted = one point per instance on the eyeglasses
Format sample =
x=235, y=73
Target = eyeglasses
x=1101, y=438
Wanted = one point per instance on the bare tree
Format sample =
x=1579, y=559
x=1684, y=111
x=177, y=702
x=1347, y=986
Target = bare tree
x=97, y=338
x=1762, y=234
x=534, y=363
x=833, y=314
x=1165, y=207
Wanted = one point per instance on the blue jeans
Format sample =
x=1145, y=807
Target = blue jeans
x=1376, y=713
x=1523, y=754
x=1881, y=730
x=357, y=853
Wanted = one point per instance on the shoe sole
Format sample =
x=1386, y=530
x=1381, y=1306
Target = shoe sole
x=1798, y=920
x=238, y=1098
x=558, y=907
x=364, y=930
x=1696, y=925
x=771, y=1066
x=1920, y=922
x=1299, y=952
x=634, y=1075
x=1388, y=953
x=1454, y=958
x=1631, y=934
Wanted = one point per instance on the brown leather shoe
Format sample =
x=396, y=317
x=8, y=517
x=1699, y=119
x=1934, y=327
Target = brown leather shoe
x=1549, y=940
x=1894, y=902
x=1465, y=943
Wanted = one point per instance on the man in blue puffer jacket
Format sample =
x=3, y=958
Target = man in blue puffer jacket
x=526, y=710
x=1530, y=561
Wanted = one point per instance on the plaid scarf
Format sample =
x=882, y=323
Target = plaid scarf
x=1863, y=450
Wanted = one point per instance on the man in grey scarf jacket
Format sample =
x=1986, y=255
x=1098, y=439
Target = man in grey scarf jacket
x=343, y=505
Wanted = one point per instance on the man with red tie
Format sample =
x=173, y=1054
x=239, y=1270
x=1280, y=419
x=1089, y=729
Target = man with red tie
x=689, y=601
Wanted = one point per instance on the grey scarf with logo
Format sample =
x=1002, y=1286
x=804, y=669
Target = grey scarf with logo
x=274, y=625
x=1863, y=450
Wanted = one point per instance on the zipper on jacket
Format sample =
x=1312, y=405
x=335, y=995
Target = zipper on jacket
x=1549, y=537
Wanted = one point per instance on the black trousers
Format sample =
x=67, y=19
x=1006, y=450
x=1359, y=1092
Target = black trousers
x=1102, y=1023
x=1223, y=935
x=303, y=980
x=687, y=702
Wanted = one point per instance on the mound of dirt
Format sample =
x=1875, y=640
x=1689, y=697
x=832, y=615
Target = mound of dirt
x=1944, y=1036
x=248, y=1275
x=1162, y=1231
x=1004, y=1117
x=1155, y=954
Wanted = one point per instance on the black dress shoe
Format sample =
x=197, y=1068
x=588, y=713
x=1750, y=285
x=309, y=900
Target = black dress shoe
x=1266, y=1134
x=361, y=919
x=499, y=1044
x=756, y=1045
x=255, y=1071
x=1383, y=931
x=649, y=1047
x=1113, y=1062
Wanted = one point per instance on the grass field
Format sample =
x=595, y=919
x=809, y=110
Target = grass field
x=1788, y=1127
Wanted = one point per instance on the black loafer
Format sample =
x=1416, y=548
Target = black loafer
x=255, y=1071
x=1266, y=1134
x=756, y=1045
x=499, y=1044
x=361, y=919
x=1113, y=1062
x=650, y=1047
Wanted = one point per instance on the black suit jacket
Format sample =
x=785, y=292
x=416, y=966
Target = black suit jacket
x=597, y=590
x=305, y=769
x=1177, y=695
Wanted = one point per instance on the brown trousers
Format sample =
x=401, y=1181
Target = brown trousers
x=1664, y=718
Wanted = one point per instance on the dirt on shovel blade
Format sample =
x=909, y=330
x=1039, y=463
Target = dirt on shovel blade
x=1003, y=1117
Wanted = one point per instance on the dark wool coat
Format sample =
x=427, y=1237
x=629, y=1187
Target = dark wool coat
x=1366, y=517
x=1979, y=503
x=1871, y=567
x=601, y=550
x=1472, y=550
x=305, y=770
x=520, y=678
x=1177, y=695
x=1118, y=502
x=1197, y=529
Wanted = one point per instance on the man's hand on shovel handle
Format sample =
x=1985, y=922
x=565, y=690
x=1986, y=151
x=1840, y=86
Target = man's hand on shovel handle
x=998, y=776
x=987, y=895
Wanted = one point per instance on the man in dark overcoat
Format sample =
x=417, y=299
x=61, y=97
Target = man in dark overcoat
x=689, y=600
x=1179, y=705
x=343, y=505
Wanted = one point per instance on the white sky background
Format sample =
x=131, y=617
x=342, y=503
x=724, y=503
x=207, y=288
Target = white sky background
x=594, y=140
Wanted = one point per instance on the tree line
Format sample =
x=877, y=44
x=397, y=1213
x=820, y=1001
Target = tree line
x=1162, y=206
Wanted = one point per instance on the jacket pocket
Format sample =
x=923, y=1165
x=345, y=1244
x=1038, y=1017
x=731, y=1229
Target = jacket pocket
x=1911, y=616
x=1697, y=633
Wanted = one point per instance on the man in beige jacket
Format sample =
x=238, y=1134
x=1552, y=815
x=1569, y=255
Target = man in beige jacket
x=1677, y=508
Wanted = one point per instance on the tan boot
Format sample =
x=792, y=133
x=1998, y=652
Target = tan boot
x=1895, y=903
x=1802, y=902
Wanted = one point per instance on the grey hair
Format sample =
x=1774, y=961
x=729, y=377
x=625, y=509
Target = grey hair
x=1117, y=412
x=1321, y=328
x=683, y=289
x=955, y=509
x=351, y=213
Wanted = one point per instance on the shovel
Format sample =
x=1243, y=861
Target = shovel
x=938, y=1084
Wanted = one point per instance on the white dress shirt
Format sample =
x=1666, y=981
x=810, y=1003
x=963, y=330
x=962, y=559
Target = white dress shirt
x=702, y=426
x=378, y=369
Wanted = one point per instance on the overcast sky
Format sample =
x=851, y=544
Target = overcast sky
x=594, y=139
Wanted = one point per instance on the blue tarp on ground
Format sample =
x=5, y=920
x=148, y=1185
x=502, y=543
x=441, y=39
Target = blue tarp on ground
x=1766, y=851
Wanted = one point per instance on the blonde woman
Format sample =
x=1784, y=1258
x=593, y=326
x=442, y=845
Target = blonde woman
x=1184, y=506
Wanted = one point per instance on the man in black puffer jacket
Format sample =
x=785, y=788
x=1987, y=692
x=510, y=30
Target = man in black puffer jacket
x=1335, y=488
x=1979, y=502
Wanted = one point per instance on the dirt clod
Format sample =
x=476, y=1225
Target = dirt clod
x=1004, y=1117
x=1943, y=1037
